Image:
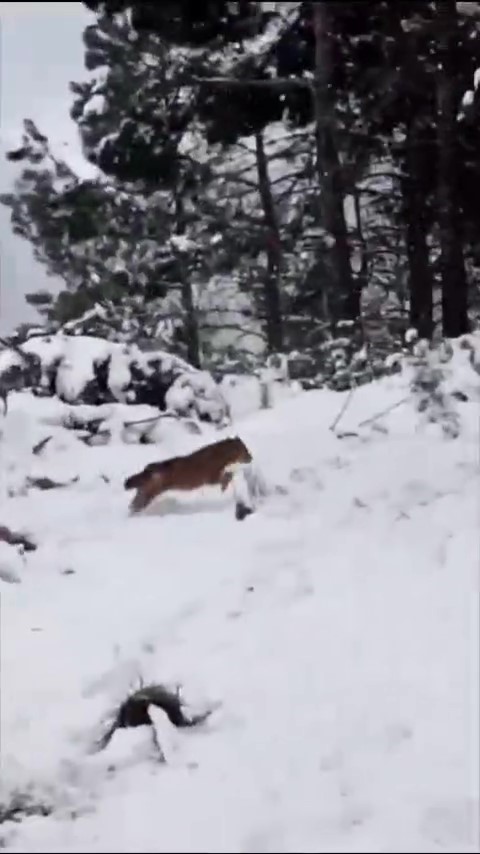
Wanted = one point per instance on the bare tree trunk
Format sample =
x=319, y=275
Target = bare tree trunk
x=362, y=275
x=329, y=167
x=191, y=325
x=273, y=308
x=452, y=265
x=414, y=209
x=191, y=321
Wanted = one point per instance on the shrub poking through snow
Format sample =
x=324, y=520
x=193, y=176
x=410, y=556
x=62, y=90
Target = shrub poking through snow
x=429, y=363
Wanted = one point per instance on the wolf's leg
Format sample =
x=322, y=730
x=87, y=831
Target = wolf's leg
x=145, y=494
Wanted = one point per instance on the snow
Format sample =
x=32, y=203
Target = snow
x=119, y=375
x=182, y=243
x=96, y=104
x=335, y=630
x=10, y=563
x=76, y=367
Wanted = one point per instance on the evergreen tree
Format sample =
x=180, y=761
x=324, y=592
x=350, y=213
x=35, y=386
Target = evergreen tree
x=98, y=239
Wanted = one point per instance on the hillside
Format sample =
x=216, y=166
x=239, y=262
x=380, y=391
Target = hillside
x=334, y=633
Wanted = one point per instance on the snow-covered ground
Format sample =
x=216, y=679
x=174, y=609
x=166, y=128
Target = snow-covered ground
x=336, y=632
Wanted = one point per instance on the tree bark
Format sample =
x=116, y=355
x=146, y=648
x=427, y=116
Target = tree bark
x=192, y=335
x=414, y=205
x=329, y=168
x=452, y=264
x=273, y=307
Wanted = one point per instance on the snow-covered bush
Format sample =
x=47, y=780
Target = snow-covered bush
x=344, y=358
x=82, y=369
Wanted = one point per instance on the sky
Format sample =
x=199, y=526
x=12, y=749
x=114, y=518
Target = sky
x=40, y=52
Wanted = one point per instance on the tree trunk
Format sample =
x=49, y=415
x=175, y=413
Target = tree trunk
x=452, y=265
x=363, y=272
x=191, y=325
x=329, y=168
x=192, y=335
x=415, y=213
x=273, y=307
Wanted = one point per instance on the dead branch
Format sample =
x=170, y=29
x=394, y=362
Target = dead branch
x=282, y=83
x=343, y=409
x=383, y=412
x=187, y=421
x=38, y=448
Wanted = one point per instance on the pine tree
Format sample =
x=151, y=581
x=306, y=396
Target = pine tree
x=95, y=237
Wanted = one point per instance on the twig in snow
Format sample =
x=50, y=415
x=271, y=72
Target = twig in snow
x=48, y=483
x=347, y=434
x=343, y=409
x=38, y=448
x=384, y=412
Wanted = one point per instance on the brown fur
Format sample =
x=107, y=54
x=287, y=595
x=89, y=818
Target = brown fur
x=208, y=466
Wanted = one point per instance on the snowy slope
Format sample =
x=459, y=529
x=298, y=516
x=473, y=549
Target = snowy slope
x=336, y=631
